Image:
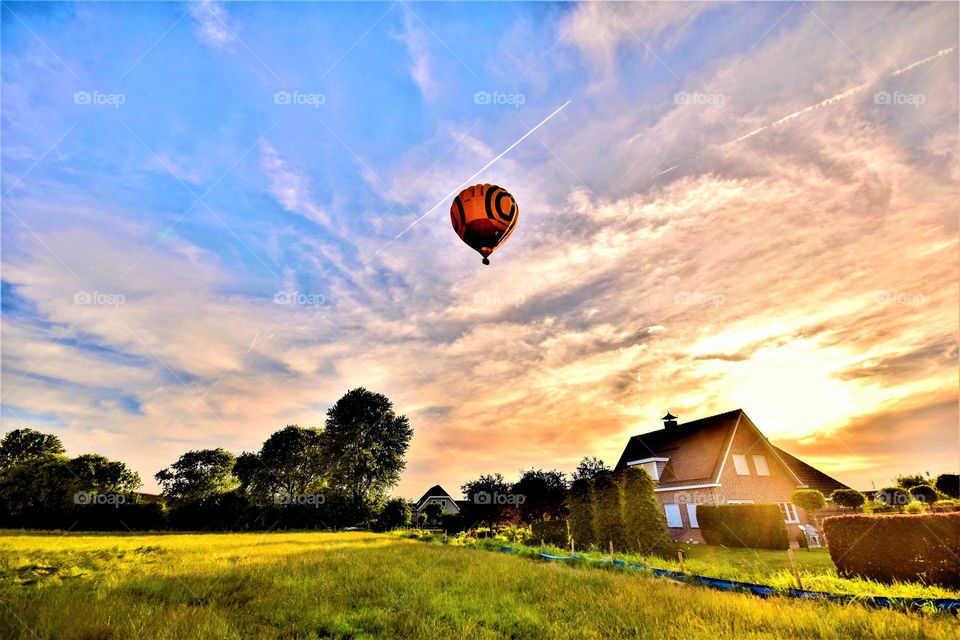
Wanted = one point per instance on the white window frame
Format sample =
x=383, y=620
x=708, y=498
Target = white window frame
x=739, y=501
x=760, y=464
x=650, y=466
x=740, y=464
x=692, y=515
x=789, y=510
x=671, y=508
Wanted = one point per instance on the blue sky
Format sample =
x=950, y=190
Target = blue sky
x=727, y=213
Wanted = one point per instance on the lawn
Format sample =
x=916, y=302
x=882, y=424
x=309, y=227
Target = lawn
x=362, y=585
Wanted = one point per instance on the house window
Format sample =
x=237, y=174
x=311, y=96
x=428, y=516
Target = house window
x=674, y=520
x=740, y=464
x=692, y=515
x=760, y=464
x=789, y=512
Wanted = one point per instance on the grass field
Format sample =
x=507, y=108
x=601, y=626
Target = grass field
x=361, y=585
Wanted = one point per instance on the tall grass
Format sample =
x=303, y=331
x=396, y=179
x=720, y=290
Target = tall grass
x=359, y=585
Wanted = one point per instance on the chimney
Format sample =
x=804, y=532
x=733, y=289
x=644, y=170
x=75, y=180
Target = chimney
x=669, y=420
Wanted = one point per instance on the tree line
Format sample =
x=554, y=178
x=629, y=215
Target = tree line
x=301, y=477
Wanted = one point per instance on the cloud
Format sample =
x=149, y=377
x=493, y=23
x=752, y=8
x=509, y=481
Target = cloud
x=290, y=188
x=213, y=24
x=422, y=64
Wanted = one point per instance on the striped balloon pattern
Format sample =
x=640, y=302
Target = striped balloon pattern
x=484, y=216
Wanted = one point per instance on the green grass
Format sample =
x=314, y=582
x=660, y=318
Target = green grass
x=361, y=585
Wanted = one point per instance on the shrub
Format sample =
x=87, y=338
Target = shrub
x=893, y=497
x=396, y=514
x=607, y=512
x=849, y=498
x=897, y=547
x=915, y=507
x=810, y=500
x=949, y=484
x=645, y=526
x=924, y=493
x=553, y=532
x=756, y=526
x=580, y=506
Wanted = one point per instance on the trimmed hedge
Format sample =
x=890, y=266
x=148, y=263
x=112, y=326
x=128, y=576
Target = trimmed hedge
x=551, y=532
x=643, y=518
x=756, y=526
x=607, y=513
x=897, y=547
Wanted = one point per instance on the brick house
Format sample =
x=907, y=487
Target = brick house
x=721, y=459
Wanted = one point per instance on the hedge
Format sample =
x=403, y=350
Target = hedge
x=756, y=526
x=607, y=513
x=643, y=518
x=551, y=532
x=897, y=547
x=580, y=507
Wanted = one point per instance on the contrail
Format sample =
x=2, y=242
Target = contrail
x=481, y=170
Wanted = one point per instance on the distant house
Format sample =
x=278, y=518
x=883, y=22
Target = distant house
x=436, y=495
x=722, y=459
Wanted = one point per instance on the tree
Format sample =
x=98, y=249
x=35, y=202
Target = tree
x=645, y=526
x=21, y=445
x=433, y=513
x=98, y=474
x=924, y=493
x=488, y=499
x=849, y=498
x=364, y=446
x=198, y=475
x=810, y=500
x=396, y=514
x=908, y=481
x=580, y=509
x=291, y=463
x=608, y=512
x=590, y=468
x=893, y=497
x=949, y=484
x=544, y=494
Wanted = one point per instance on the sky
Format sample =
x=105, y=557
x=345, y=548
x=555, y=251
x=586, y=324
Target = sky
x=219, y=217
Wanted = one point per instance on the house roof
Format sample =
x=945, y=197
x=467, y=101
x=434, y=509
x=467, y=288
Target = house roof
x=696, y=449
x=812, y=477
x=436, y=491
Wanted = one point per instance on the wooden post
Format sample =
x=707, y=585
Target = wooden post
x=680, y=557
x=611, y=552
x=541, y=543
x=571, y=546
x=793, y=567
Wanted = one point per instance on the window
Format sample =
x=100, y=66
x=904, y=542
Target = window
x=789, y=512
x=674, y=520
x=692, y=515
x=740, y=464
x=760, y=464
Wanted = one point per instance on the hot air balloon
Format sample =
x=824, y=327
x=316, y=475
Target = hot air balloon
x=484, y=216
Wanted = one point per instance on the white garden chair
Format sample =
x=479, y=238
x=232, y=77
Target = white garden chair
x=812, y=535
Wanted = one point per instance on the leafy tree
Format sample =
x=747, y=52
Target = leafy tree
x=396, y=514
x=644, y=522
x=247, y=469
x=810, y=500
x=580, y=509
x=198, y=475
x=364, y=446
x=849, y=498
x=924, y=493
x=488, y=499
x=21, y=445
x=893, y=497
x=544, y=495
x=96, y=473
x=908, y=481
x=608, y=512
x=433, y=513
x=590, y=468
x=949, y=484
x=291, y=463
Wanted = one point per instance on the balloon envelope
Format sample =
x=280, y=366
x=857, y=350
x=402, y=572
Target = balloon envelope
x=484, y=216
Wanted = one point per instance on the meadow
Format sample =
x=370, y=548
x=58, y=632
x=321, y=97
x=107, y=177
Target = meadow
x=363, y=585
